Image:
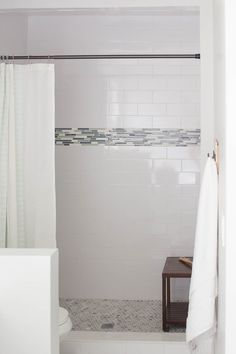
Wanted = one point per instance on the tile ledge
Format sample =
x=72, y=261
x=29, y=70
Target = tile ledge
x=85, y=336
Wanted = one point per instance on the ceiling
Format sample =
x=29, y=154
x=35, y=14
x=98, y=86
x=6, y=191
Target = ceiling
x=145, y=11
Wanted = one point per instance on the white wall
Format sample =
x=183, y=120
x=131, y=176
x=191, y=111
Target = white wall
x=225, y=12
x=220, y=121
x=122, y=210
x=224, y=91
x=29, y=301
x=207, y=79
x=13, y=34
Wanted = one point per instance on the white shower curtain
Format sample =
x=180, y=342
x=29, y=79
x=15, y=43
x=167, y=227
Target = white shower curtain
x=27, y=168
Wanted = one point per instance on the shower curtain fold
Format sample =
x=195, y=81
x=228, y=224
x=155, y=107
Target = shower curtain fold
x=3, y=153
x=27, y=171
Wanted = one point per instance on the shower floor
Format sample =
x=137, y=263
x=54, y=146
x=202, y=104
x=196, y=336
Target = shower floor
x=116, y=315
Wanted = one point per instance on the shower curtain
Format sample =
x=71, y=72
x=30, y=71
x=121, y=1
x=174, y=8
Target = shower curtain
x=27, y=168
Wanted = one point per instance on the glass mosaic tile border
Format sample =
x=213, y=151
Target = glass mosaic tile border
x=127, y=137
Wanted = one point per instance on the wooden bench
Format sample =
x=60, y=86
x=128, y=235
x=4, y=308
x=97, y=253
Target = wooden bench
x=173, y=313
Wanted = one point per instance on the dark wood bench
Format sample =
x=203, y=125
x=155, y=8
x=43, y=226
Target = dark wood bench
x=173, y=313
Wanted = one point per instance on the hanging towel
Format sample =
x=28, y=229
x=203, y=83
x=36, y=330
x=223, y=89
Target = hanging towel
x=201, y=321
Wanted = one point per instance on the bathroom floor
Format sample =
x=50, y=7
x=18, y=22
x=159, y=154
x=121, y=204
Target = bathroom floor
x=116, y=315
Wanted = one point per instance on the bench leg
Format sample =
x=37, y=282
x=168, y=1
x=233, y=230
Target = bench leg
x=164, y=304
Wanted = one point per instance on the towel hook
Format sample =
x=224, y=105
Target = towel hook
x=215, y=154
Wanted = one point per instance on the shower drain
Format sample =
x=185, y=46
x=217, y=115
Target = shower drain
x=107, y=326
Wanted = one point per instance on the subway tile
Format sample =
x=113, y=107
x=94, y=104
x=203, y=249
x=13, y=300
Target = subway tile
x=180, y=83
x=167, y=96
x=188, y=178
x=190, y=122
x=138, y=70
x=110, y=69
x=138, y=165
x=190, y=190
x=128, y=83
x=151, y=109
x=138, y=122
x=128, y=178
x=167, y=122
x=115, y=121
x=187, y=242
x=123, y=109
x=167, y=165
x=133, y=152
x=191, y=46
x=165, y=177
x=191, y=82
x=115, y=96
x=191, y=96
x=181, y=62
x=189, y=203
x=149, y=83
x=138, y=96
x=188, y=218
x=184, y=153
x=162, y=216
x=158, y=152
x=167, y=69
x=122, y=62
x=191, y=166
x=191, y=70
x=183, y=109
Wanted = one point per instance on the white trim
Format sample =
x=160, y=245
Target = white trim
x=73, y=4
x=207, y=79
x=124, y=336
x=123, y=343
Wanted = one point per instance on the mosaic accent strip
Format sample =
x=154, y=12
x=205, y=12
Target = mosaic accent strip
x=127, y=137
x=116, y=315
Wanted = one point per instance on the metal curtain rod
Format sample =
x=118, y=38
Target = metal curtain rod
x=101, y=56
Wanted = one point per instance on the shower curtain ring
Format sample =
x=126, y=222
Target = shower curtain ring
x=28, y=60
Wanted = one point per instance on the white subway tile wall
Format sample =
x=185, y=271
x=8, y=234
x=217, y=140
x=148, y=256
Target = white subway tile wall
x=122, y=210
x=120, y=100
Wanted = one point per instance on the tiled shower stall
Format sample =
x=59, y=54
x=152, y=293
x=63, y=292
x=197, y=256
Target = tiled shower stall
x=127, y=185
x=127, y=154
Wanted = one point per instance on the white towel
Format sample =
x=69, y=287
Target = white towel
x=201, y=322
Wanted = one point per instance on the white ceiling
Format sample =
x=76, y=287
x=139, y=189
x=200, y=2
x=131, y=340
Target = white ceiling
x=54, y=4
x=162, y=11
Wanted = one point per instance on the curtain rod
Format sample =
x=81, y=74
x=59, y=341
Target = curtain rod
x=100, y=56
